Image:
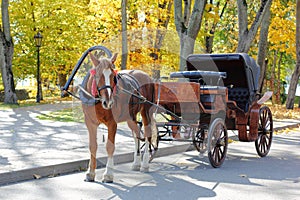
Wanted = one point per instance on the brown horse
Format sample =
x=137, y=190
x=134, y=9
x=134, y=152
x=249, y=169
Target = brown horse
x=118, y=105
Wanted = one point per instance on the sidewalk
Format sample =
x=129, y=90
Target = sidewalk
x=42, y=147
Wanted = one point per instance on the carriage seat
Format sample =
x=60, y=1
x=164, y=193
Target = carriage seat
x=209, y=94
x=240, y=96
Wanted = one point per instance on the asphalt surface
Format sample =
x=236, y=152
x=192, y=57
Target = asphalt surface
x=32, y=148
x=243, y=175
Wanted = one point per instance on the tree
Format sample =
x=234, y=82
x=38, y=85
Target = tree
x=262, y=48
x=246, y=35
x=188, y=25
x=67, y=27
x=162, y=25
x=124, y=34
x=6, y=55
x=295, y=76
x=212, y=19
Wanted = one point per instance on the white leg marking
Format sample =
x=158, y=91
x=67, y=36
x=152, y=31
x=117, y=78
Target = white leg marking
x=108, y=175
x=136, y=165
x=146, y=157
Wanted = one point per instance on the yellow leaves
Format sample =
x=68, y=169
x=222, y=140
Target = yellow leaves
x=287, y=130
x=280, y=112
x=283, y=27
x=212, y=13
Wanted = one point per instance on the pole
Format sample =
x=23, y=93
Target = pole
x=38, y=78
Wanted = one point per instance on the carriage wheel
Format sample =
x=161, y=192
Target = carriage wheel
x=200, y=139
x=265, y=132
x=217, y=142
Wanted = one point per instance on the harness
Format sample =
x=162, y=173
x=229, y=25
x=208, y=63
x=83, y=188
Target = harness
x=124, y=82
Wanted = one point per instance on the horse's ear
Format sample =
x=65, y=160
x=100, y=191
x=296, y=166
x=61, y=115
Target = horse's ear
x=95, y=61
x=114, y=58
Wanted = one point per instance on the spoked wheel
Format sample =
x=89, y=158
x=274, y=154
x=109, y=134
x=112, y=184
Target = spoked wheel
x=217, y=142
x=265, y=132
x=200, y=139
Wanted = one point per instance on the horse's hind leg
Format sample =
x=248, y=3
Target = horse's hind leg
x=148, y=122
x=136, y=165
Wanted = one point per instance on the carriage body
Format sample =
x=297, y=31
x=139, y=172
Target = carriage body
x=243, y=99
x=218, y=89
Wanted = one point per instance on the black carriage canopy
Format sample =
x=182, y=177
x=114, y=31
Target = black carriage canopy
x=242, y=73
x=241, y=70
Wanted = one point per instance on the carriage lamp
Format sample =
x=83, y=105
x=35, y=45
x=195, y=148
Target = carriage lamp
x=38, y=43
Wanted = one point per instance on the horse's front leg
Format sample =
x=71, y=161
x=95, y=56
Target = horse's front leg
x=110, y=148
x=92, y=128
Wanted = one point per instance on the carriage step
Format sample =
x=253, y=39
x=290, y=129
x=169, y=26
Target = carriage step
x=163, y=124
x=170, y=139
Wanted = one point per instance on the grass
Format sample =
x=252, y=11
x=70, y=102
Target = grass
x=32, y=102
x=65, y=115
x=75, y=114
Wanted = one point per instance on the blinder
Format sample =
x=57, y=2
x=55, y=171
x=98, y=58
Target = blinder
x=104, y=86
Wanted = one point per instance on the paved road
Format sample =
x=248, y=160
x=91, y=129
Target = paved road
x=31, y=146
x=184, y=176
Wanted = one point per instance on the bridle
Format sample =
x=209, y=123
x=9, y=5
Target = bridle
x=99, y=89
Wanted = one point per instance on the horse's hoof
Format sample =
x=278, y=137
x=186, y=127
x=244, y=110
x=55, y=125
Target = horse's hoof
x=135, y=167
x=108, y=178
x=90, y=177
x=145, y=169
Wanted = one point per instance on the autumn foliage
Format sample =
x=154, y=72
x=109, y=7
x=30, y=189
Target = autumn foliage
x=70, y=27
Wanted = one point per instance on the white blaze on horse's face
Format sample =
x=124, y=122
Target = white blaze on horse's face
x=107, y=102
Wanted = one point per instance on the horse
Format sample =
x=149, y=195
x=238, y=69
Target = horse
x=123, y=95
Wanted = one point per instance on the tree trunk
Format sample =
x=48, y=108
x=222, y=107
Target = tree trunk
x=187, y=26
x=6, y=55
x=124, y=35
x=295, y=76
x=209, y=40
x=246, y=36
x=278, y=93
x=161, y=29
x=262, y=48
x=272, y=80
x=62, y=79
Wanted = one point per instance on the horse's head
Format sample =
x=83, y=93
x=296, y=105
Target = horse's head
x=103, y=76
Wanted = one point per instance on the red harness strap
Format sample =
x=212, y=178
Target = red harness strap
x=94, y=84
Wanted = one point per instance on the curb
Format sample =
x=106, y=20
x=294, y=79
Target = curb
x=81, y=165
x=296, y=125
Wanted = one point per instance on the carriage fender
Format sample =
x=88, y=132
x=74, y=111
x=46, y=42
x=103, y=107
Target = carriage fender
x=253, y=121
x=254, y=115
x=265, y=98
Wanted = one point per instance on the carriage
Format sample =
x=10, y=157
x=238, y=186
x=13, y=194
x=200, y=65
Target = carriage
x=219, y=93
x=216, y=93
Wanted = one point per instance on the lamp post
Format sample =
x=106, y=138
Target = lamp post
x=38, y=43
